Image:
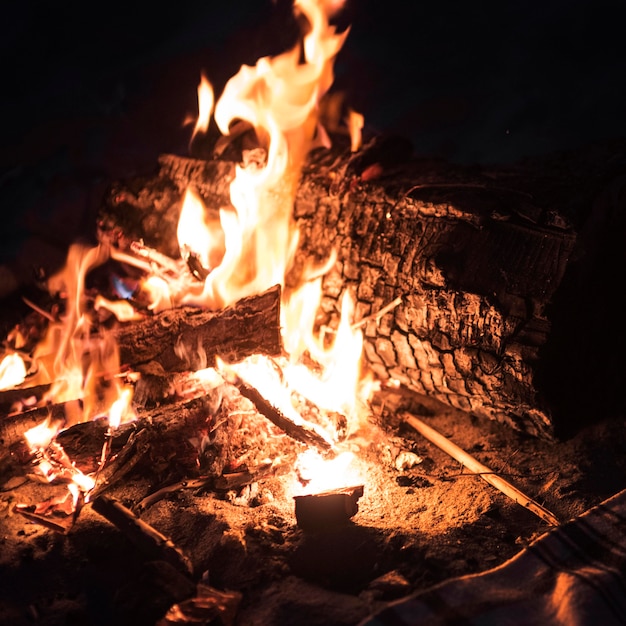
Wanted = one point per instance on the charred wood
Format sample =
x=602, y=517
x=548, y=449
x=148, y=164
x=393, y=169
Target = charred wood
x=478, y=257
x=11, y=400
x=301, y=431
x=189, y=338
x=150, y=541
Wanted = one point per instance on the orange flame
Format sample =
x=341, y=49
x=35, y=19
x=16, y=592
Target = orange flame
x=205, y=102
x=278, y=97
x=255, y=243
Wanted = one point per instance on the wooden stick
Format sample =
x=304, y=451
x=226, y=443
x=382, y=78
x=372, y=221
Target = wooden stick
x=149, y=540
x=305, y=432
x=478, y=468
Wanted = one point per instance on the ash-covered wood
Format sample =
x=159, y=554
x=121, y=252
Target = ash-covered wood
x=478, y=257
x=189, y=338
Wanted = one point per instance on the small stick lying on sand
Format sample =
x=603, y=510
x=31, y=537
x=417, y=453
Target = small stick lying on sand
x=478, y=468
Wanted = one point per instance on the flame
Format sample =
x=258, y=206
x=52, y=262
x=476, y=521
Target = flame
x=247, y=249
x=318, y=474
x=355, y=126
x=12, y=371
x=205, y=108
x=122, y=309
x=195, y=236
x=252, y=246
x=339, y=384
x=279, y=98
x=40, y=436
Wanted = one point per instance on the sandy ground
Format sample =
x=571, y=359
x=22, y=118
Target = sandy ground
x=415, y=526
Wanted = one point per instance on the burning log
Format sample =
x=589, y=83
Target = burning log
x=477, y=258
x=154, y=544
x=13, y=427
x=301, y=431
x=189, y=338
x=19, y=396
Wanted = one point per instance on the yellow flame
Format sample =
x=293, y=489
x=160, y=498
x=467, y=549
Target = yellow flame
x=355, y=126
x=121, y=408
x=41, y=435
x=12, y=371
x=194, y=235
x=336, y=387
x=279, y=98
x=319, y=474
x=205, y=105
x=122, y=309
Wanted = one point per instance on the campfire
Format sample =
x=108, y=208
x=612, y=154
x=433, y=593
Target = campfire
x=217, y=345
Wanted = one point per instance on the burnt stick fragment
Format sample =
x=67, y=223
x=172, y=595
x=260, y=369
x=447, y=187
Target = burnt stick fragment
x=189, y=338
x=122, y=463
x=304, y=431
x=150, y=541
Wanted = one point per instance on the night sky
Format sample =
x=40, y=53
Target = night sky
x=475, y=82
x=96, y=91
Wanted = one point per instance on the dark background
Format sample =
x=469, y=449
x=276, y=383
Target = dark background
x=95, y=91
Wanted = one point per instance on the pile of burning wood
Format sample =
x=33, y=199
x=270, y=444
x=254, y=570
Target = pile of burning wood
x=237, y=312
x=131, y=326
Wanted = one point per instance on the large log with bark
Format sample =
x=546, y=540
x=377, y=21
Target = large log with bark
x=189, y=338
x=484, y=260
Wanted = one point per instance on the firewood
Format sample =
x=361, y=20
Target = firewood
x=19, y=396
x=122, y=463
x=478, y=256
x=13, y=427
x=304, y=431
x=189, y=338
x=150, y=541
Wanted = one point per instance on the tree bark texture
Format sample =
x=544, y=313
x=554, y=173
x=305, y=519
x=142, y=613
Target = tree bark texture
x=477, y=256
x=189, y=338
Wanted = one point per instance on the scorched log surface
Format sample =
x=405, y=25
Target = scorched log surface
x=476, y=255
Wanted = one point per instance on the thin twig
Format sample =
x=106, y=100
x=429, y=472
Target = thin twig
x=376, y=316
x=39, y=310
x=149, y=540
x=478, y=468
